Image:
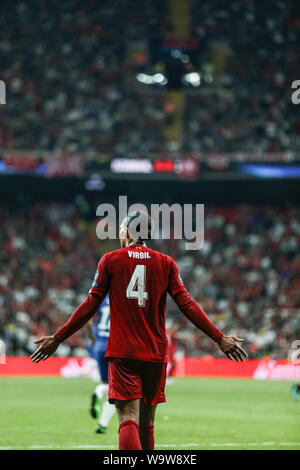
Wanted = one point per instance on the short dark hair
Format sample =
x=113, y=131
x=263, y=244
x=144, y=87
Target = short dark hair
x=145, y=225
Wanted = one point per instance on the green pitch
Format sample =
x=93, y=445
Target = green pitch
x=53, y=413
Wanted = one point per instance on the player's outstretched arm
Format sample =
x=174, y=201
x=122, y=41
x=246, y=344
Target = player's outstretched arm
x=197, y=316
x=80, y=317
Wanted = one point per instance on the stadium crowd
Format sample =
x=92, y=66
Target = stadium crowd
x=71, y=80
x=245, y=277
x=71, y=72
x=258, y=60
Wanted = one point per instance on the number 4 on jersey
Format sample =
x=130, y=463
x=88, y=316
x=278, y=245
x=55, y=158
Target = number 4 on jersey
x=137, y=285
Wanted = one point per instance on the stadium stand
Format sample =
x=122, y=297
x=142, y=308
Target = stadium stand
x=72, y=83
x=70, y=79
x=254, y=65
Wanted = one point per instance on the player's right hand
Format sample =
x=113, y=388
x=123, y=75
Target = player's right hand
x=48, y=345
x=229, y=346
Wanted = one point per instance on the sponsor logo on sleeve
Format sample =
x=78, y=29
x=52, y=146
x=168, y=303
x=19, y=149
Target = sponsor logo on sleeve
x=95, y=283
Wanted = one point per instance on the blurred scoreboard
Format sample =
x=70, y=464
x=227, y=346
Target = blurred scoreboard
x=179, y=166
x=185, y=168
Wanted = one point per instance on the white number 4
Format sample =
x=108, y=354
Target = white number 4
x=137, y=285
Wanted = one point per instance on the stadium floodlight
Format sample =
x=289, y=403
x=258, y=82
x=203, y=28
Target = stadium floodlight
x=144, y=78
x=160, y=79
x=192, y=78
x=156, y=79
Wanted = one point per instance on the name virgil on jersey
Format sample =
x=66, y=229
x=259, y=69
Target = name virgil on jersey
x=138, y=255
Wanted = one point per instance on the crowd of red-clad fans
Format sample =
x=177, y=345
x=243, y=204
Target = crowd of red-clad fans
x=245, y=277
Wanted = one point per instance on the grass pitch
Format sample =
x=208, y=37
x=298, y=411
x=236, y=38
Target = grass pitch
x=53, y=413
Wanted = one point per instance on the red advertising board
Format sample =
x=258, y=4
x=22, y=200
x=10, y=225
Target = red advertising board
x=259, y=369
x=263, y=369
x=22, y=366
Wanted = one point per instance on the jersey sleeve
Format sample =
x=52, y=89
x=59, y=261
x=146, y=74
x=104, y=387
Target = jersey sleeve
x=175, y=282
x=101, y=282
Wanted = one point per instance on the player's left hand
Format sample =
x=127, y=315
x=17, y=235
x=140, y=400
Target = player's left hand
x=48, y=345
x=229, y=345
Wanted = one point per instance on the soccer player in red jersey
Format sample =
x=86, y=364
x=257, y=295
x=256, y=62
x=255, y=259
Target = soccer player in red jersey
x=138, y=280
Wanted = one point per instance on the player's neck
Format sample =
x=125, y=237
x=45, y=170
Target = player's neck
x=136, y=243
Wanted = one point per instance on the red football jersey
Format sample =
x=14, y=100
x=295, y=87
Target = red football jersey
x=138, y=280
